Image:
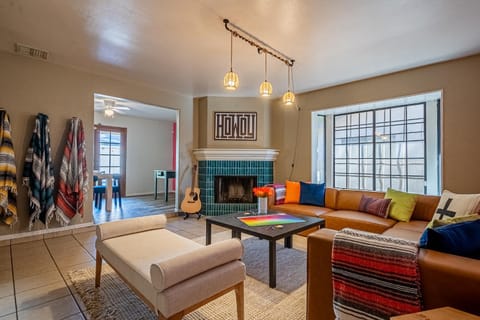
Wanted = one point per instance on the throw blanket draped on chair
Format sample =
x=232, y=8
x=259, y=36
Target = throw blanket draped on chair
x=374, y=276
x=38, y=173
x=8, y=172
x=73, y=175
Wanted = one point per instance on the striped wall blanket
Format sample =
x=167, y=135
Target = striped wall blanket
x=374, y=276
x=38, y=173
x=8, y=172
x=73, y=184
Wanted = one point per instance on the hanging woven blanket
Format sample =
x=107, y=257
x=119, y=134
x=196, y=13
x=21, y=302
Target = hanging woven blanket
x=38, y=173
x=73, y=185
x=374, y=276
x=8, y=173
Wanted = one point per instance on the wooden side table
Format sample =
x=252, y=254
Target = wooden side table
x=445, y=313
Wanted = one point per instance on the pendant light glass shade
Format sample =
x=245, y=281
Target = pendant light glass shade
x=266, y=87
x=288, y=98
x=230, y=81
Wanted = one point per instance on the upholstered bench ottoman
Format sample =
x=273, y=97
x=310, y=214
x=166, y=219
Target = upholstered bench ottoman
x=172, y=274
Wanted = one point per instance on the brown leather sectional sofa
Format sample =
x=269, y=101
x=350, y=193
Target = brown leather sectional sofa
x=447, y=280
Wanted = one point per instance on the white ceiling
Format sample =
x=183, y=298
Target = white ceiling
x=129, y=108
x=181, y=46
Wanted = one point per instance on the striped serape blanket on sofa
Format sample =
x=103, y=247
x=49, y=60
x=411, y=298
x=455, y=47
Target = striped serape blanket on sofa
x=374, y=276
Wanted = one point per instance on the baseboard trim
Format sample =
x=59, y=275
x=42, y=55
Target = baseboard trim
x=49, y=233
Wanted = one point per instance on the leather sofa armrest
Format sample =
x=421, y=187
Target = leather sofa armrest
x=319, y=274
x=449, y=280
x=128, y=226
x=177, y=269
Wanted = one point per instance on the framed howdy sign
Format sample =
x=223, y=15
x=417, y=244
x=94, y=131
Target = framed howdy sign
x=236, y=126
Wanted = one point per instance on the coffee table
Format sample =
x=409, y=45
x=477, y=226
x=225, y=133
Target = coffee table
x=270, y=233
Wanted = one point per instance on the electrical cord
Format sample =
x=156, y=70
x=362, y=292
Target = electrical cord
x=294, y=155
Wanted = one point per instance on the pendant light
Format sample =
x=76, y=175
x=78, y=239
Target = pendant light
x=230, y=81
x=265, y=87
x=289, y=96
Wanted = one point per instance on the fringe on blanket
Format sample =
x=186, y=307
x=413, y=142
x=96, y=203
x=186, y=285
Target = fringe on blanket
x=8, y=172
x=374, y=276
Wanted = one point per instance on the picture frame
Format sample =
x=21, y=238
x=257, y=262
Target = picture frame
x=235, y=126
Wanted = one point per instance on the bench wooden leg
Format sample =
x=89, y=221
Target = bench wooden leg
x=240, y=301
x=98, y=269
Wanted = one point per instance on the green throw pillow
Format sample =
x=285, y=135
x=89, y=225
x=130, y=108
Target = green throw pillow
x=402, y=205
x=438, y=223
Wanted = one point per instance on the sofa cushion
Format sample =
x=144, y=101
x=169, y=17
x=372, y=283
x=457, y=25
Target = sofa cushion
x=340, y=219
x=402, y=205
x=301, y=209
x=461, y=239
x=377, y=207
x=312, y=193
x=292, y=192
x=412, y=225
x=350, y=199
x=406, y=234
x=425, y=207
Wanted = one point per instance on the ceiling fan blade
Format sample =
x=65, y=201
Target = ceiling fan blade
x=121, y=108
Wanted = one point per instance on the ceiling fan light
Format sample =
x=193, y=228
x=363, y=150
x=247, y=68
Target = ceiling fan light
x=288, y=98
x=230, y=81
x=265, y=89
x=109, y=113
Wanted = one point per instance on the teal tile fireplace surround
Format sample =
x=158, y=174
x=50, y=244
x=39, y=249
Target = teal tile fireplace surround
x=208, y=169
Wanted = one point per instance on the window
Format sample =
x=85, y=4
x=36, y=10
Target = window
x=375, y=148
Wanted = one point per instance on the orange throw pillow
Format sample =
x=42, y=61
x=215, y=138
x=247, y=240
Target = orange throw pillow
x=292, y=191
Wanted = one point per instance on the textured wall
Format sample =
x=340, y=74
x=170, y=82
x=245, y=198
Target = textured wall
x=29, y=86
x=459, y=81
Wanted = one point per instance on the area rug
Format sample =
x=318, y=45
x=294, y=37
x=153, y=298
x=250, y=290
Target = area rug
x=114, y=300
x=291, y=264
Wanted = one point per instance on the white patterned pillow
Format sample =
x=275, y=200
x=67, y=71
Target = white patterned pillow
x=456, y=205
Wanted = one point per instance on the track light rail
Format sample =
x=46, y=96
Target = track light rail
x=259, y=44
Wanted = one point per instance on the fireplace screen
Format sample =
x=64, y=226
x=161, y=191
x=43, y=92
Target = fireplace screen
x=232, y=189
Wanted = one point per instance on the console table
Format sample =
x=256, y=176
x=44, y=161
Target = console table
x=165, y=175
x=445, y=313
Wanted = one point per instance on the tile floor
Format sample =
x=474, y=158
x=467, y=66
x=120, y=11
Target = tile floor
x=33, y=275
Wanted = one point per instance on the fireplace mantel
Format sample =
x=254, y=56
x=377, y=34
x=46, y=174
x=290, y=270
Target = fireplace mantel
x=235, y=154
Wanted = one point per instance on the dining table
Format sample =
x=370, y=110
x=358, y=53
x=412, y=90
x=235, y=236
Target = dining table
x=108, y=188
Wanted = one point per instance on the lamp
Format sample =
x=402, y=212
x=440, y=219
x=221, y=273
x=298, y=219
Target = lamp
x=230, y=81
x=289, y=97
x=265, y=87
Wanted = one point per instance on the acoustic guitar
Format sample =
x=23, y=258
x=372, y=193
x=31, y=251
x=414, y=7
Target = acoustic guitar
x=191, y=204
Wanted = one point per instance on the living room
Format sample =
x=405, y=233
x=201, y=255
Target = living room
x=442, y=53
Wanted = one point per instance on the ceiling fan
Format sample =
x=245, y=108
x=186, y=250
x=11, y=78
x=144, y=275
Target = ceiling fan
x=110, y=107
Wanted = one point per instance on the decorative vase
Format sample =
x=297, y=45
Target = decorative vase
x=262, y=204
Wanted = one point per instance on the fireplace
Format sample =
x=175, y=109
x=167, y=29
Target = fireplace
x=245, y=168
x=234, y=189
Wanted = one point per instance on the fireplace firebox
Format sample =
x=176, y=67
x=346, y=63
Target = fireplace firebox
x=234, y=189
